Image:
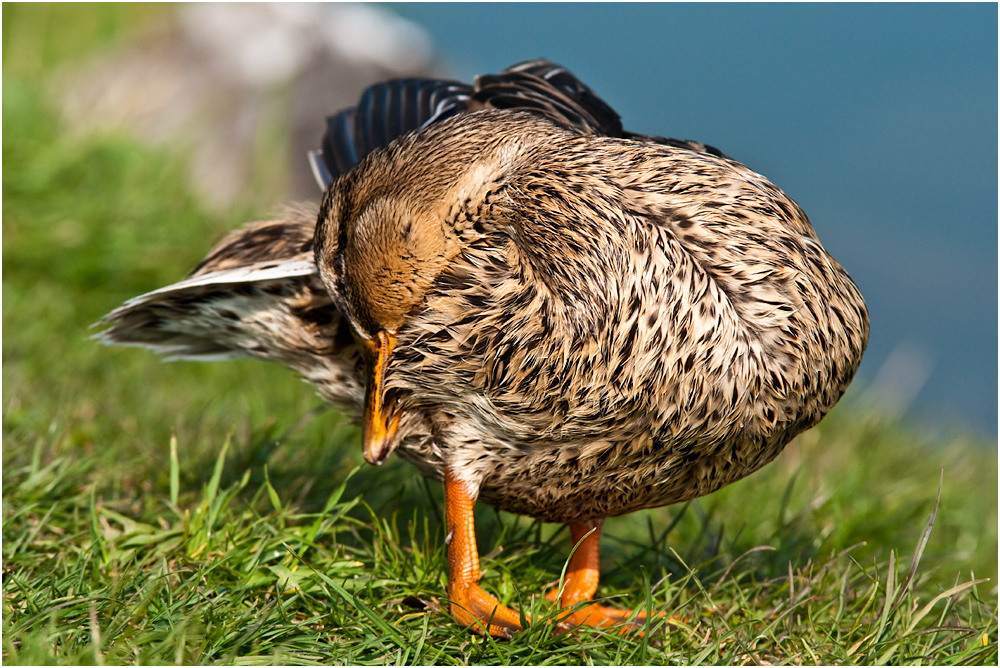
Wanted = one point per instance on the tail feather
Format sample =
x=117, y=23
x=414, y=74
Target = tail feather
x=257, y=294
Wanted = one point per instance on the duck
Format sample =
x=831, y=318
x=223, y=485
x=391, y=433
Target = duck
x=545, y=312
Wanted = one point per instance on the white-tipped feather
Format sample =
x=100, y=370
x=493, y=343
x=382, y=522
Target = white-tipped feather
x=156, y=320
x=252, y=273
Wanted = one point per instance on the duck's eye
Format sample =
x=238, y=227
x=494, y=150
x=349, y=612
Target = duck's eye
x=338, y=265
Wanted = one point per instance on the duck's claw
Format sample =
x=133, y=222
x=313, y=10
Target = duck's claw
x=472, y=606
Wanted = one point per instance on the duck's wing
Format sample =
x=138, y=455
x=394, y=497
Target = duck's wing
x=394, y=108
x=256, y=294
x=202, y=317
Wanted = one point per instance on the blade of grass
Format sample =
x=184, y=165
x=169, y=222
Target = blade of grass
x=175, y=471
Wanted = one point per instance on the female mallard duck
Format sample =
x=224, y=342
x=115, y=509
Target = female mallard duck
x=550, y=314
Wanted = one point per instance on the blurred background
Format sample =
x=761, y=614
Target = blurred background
x=879, y=120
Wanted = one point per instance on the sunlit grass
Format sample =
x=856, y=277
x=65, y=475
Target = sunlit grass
x=196, y=569
x=211, y=513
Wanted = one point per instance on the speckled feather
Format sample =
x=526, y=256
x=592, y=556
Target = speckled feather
x=614, y=324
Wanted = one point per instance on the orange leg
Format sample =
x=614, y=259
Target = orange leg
x=470, y=605
x=582, y=576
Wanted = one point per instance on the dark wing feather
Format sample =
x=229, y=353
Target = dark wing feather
x=394, y=108
x=386, y=111
x=551, y=90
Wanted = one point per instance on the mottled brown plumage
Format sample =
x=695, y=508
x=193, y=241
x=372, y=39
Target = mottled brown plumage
x=591, y=325
x=552, y=315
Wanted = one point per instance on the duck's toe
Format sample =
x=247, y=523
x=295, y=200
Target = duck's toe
x=472, y=606
x=601, y=616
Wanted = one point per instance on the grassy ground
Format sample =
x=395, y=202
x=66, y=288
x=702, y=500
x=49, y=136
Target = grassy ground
x=186, y=513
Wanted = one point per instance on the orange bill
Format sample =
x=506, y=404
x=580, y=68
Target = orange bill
x=379, y=426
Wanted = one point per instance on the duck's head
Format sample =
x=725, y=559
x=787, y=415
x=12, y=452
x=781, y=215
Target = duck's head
x=390, y=226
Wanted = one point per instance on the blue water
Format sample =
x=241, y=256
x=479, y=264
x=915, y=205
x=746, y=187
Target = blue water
x=879, y=120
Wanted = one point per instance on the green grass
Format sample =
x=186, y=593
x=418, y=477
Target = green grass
x=211, y=513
